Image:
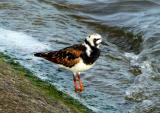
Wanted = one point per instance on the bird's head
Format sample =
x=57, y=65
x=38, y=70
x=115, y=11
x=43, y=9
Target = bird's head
x=94, y=40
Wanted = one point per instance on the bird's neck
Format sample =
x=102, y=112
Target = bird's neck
x=91, y=53
x=88, y=49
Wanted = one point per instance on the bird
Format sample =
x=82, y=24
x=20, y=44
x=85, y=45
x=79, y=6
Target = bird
x=76, y=58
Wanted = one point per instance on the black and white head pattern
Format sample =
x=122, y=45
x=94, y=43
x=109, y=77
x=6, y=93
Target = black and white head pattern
x=94, y=40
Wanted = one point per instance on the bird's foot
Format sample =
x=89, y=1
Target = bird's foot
x=79, y=89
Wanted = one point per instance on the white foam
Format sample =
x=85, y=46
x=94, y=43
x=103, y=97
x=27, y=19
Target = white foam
x=132, y=56
x=133, y=59
x=146, y=65
x=20, y=41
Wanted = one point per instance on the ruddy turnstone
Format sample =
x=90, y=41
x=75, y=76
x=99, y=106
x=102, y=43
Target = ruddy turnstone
x=76, y=58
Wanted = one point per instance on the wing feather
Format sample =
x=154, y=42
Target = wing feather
x=68, y=56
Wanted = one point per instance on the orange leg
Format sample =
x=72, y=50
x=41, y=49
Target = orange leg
x=81, y=86
x=78, y=84
x=75, y=84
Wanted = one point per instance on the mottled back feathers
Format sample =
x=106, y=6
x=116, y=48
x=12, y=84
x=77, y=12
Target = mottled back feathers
x=68, y=56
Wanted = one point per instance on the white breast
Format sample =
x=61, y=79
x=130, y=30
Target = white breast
x=79, y=67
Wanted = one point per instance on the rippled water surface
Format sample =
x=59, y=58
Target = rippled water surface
x=126, y=77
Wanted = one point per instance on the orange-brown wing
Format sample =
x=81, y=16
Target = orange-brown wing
x=68, y=56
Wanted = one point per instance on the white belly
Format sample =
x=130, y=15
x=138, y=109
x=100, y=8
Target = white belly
x=81, y=66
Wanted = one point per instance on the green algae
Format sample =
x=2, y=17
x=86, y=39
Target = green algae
x=49, y=90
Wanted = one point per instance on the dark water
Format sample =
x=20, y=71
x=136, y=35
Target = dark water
x=126, y=78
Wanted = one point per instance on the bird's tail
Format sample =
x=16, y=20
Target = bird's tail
x=48, y=54
x=40, y=54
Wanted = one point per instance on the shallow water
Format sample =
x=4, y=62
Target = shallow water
x=125, y=79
